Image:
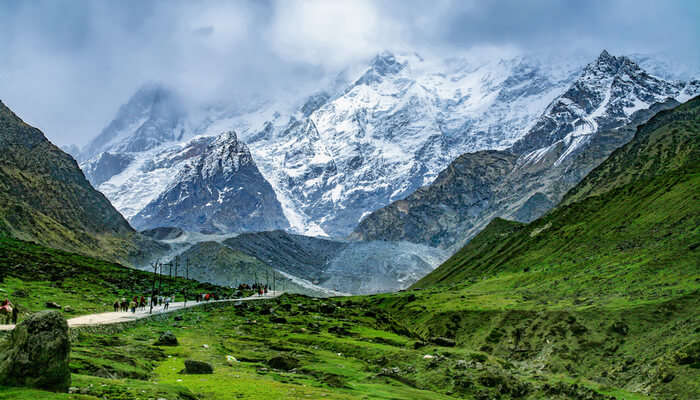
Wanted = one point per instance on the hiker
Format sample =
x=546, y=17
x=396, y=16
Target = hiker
x=132, y=305
x=116, y=305
x=167, y=303
x=142, y=304
x=6, y=310
x=207, y=297
x=260, y=292
x=15, y=314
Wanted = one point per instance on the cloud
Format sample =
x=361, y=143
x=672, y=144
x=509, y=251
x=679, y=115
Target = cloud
x=67, y=65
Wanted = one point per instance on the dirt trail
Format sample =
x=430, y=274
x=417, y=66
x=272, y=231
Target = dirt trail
x=107, y=318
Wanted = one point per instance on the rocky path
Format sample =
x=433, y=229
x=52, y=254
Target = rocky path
x=107, y=318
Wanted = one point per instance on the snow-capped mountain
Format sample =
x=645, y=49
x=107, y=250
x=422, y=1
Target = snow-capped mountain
x=393, y=129
x=154, y=115
x=218, y=190
x=577, y=131
x=370, y=138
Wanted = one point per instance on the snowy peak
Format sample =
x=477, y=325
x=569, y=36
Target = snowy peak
x=383, y=65
x=151, y=117
x=605, y=96
x=218, y=189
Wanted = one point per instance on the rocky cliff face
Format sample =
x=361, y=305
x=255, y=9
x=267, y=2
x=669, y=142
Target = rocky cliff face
x=218, y=190
x=577, y=131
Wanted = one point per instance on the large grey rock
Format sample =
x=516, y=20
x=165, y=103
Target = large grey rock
x=166, y=339
x=37, y=353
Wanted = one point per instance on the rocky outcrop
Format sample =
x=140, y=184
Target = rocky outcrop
x=163, y=233
x=37, y=353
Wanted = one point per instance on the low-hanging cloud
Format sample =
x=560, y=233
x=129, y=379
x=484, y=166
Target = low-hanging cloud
x=66, y=65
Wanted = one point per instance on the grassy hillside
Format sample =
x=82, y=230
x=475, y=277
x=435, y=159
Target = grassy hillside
x=45, y=198
x=31, y=275
x=629, y=231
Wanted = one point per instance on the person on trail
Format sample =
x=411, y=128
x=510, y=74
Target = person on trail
x=207, y=297
x=167, y=303
x=142, y=304
x=132, y=305
x=260, y=291
x=6, y=309
x=116, y=305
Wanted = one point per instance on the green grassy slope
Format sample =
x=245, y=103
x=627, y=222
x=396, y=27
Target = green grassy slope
x=31, y=275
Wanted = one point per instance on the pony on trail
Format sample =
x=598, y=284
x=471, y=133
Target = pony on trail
x=6, y=310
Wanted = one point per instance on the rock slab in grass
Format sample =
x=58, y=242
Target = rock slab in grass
x=197, y=367
x=37, y=353
x=166, y=339
x=284, y=363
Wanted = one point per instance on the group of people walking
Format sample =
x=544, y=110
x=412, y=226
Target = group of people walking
x=140, y=303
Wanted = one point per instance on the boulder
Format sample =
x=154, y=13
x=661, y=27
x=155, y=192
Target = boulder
x=68, y=309
x=37, y=353
x=284, y=363
x=278, y=320
x=166, y=339
x=197, y=367
x=53, y=304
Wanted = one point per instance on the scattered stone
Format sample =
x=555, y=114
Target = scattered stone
x=284, y=363
x=197, y=367
x=166, y=339
x=428, y=357
x=230, y=360
x=620, y=328
x=19, y=293
x=206, y=346
x=327, y=309
x=339, y=330
x=419, y=344
x=278, y=320
x=37, y=353
x=443, y=341
x=53, y=304
x=178, y=318
x=68, y=309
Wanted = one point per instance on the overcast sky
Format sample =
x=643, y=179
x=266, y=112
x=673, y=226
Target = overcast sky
x=66, y=66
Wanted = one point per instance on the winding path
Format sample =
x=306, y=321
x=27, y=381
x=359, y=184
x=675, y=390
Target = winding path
x=107, y=318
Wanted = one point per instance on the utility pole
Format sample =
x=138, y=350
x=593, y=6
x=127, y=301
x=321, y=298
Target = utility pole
x=187, y=276
x=153, y=287
x=177, y=261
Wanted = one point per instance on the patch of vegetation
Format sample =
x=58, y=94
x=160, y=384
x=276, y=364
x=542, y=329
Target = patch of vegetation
x=32, y=275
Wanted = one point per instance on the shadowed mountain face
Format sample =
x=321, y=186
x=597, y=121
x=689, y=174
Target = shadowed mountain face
x=45, y=198
x=579, y=129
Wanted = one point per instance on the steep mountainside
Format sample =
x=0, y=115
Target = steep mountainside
x=577, y=131
x=45, y=198
x=219, y=190
x=357, y=268
x=360, y=143
x=636, y=217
